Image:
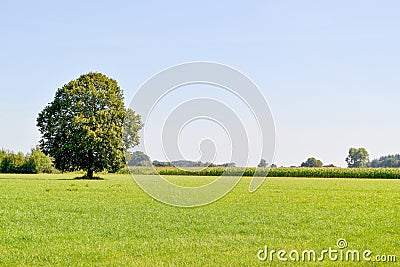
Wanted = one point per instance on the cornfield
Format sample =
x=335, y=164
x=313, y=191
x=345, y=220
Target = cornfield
x=382, y=173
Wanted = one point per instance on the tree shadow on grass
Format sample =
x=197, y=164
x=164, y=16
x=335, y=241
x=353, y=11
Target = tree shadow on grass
x=88, y=178
x=21, y=177
x=25, y=178
x=85, y=178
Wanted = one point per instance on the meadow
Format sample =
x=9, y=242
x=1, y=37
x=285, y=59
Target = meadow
x=54, y=219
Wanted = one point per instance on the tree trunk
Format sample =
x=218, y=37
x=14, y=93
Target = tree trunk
x=89, y=174
x=90, y=161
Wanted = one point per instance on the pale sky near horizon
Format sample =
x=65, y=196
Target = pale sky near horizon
x=330, y=70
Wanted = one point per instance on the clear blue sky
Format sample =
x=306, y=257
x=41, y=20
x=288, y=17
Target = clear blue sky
x=329, y=69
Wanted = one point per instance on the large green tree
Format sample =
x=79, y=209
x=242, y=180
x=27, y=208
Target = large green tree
x=357, y=158
x=82, y=127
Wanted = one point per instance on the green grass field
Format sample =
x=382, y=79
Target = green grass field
x=56, y=220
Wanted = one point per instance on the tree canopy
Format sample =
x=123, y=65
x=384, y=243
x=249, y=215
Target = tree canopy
x=263, y=164
x=138, y=158
x=82, y=128
x=312, y=162
x=389, y=161
x=34, y=162
x=357, y=158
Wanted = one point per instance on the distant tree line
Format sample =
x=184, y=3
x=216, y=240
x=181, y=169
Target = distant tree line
x=38, y=162
x=389, y=161
x=359, y=158
x=312, y=162
x=188, y=163
x=138, y=158
x=34, y=162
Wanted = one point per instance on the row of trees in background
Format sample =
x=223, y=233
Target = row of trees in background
x=390, y=161
x=359, y=158
x=34, y=162
x=38, y=162
x=312, y=163
x=138, y=158
x=188, y=163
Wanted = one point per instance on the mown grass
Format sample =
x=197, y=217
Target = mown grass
x=48, y=220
